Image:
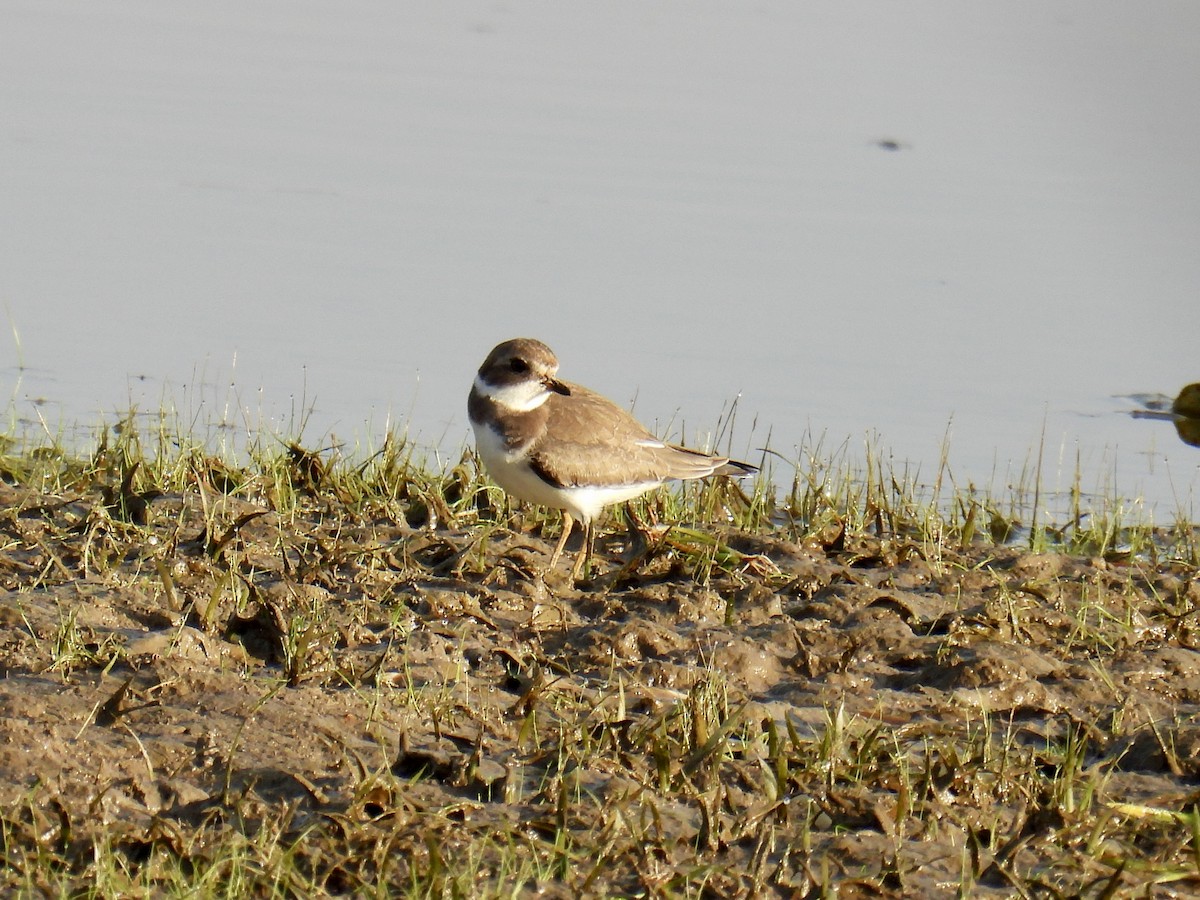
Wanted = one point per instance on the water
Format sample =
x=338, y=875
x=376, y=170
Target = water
x=905, y=224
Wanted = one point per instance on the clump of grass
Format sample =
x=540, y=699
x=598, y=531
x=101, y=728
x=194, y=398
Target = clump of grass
x=829, y=492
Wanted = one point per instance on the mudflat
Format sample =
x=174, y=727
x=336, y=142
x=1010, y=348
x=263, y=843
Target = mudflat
x=210, y=689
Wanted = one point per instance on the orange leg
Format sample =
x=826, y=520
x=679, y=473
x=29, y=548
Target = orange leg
x=567, y=524
x=585, y=552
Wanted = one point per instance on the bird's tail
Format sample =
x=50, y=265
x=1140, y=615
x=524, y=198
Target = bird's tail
x=688, y=463
x=736, y=469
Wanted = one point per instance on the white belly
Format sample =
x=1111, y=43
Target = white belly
x=511, y=472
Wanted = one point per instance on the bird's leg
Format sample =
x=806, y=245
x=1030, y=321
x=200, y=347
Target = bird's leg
x=585, y=552
x=567, y=524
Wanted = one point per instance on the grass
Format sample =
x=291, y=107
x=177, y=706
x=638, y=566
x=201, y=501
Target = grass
x=858, y=682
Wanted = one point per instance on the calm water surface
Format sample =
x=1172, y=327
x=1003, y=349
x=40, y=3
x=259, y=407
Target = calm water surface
x=906, y=227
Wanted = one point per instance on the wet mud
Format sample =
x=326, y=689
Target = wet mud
x=415, y=707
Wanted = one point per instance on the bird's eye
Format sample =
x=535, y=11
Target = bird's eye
x=519, y=366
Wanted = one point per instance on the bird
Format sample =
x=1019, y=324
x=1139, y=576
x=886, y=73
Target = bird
x=561, y=445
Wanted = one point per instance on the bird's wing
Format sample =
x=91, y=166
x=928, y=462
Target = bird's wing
x=609, y=446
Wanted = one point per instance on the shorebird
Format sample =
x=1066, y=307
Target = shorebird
x=561, y=445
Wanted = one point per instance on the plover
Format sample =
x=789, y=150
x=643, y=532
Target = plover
x=560, y=445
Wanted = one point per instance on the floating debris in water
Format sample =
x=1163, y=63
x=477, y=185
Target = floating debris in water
x=1183, y=411
x=1188, y=402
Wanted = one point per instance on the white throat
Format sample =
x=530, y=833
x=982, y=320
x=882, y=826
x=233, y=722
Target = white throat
x=524, y=396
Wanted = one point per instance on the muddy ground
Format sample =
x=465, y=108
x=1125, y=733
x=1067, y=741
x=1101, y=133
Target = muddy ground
x=328, y=701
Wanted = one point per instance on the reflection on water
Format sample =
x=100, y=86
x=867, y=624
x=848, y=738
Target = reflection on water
x=1189, y=431
x=1183, y=411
